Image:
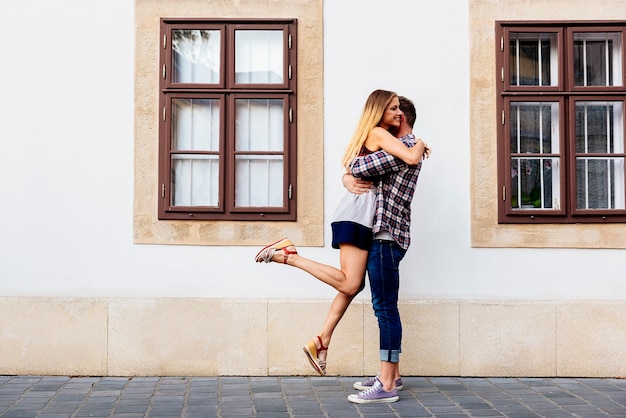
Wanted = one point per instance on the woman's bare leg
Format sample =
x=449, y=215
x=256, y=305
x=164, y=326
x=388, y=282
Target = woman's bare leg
x=337, y=309
x=354, y=261
x=346, y=280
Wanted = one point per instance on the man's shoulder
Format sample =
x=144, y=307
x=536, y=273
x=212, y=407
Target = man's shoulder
x=408, y=139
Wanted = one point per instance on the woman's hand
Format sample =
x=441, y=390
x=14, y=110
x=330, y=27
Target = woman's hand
x=427, y=149
x=355, y=185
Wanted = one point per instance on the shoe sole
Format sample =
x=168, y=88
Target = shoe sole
x=256, y=258
x=311, y=359
x=355, y=399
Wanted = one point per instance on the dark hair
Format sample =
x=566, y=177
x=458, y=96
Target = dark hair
x=408, y=108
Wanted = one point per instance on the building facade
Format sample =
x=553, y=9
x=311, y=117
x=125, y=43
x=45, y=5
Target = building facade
x=97, y=279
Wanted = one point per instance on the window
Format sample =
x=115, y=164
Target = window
x=227, y=129
x=561, y=122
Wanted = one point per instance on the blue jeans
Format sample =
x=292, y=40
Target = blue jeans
x=383, y=269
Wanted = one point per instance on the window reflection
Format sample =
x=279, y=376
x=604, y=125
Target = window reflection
x=196, y=56
x=597, y=59
x=532, y=59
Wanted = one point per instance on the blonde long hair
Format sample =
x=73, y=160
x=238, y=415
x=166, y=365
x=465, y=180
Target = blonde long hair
x=373, y=112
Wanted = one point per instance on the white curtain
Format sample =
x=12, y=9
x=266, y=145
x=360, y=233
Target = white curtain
x=259, y=56
x=259, y=127
x=195, y=127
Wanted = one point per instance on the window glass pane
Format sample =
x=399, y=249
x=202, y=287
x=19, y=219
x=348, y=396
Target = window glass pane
x=594, y=125
x=599, y=130
x=196, y=56
x=534, y=183
x=259, y=56
x=599, y=127
x=534, y=127
x=535, y=180
x=259, y=180
x=195, y=180
x=599, y=183
x=597, y=59
x=195, y=124
x=259, y=124
x=533, y=59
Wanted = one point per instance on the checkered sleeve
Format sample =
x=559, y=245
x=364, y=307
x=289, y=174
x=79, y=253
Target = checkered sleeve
x=379, y=163
x=375, y=164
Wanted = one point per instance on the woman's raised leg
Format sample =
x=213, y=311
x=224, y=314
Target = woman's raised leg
x=353, y=261
x=346, y=280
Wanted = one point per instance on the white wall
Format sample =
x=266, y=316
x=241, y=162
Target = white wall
x=66, y=164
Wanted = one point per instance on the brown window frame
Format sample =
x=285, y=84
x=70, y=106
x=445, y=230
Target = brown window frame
x=566, y=94
x=226, y=91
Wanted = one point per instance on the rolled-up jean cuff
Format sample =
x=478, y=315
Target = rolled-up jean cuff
x=392, y=356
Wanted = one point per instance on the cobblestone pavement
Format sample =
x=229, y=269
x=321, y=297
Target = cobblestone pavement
x=277, y=397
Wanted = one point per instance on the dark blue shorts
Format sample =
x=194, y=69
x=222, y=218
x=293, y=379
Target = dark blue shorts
x=346, y=232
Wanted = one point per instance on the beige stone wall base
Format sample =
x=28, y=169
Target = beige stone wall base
x=209, y=337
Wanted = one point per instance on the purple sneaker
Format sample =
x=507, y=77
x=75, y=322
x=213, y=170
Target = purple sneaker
x=366, y=384
x=375, y=394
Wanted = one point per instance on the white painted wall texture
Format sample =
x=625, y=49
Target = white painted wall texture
x=66, y=163
x=67, y=136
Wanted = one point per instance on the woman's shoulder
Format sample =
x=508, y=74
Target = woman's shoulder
x=378, y=130
x=375, y=138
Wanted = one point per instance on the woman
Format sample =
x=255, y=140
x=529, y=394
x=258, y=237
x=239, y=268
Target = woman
x=353, y=236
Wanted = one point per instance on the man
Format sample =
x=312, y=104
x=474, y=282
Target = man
x=391, y=240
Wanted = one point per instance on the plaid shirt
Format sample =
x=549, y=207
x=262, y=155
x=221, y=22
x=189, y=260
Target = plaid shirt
x=395, y=189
